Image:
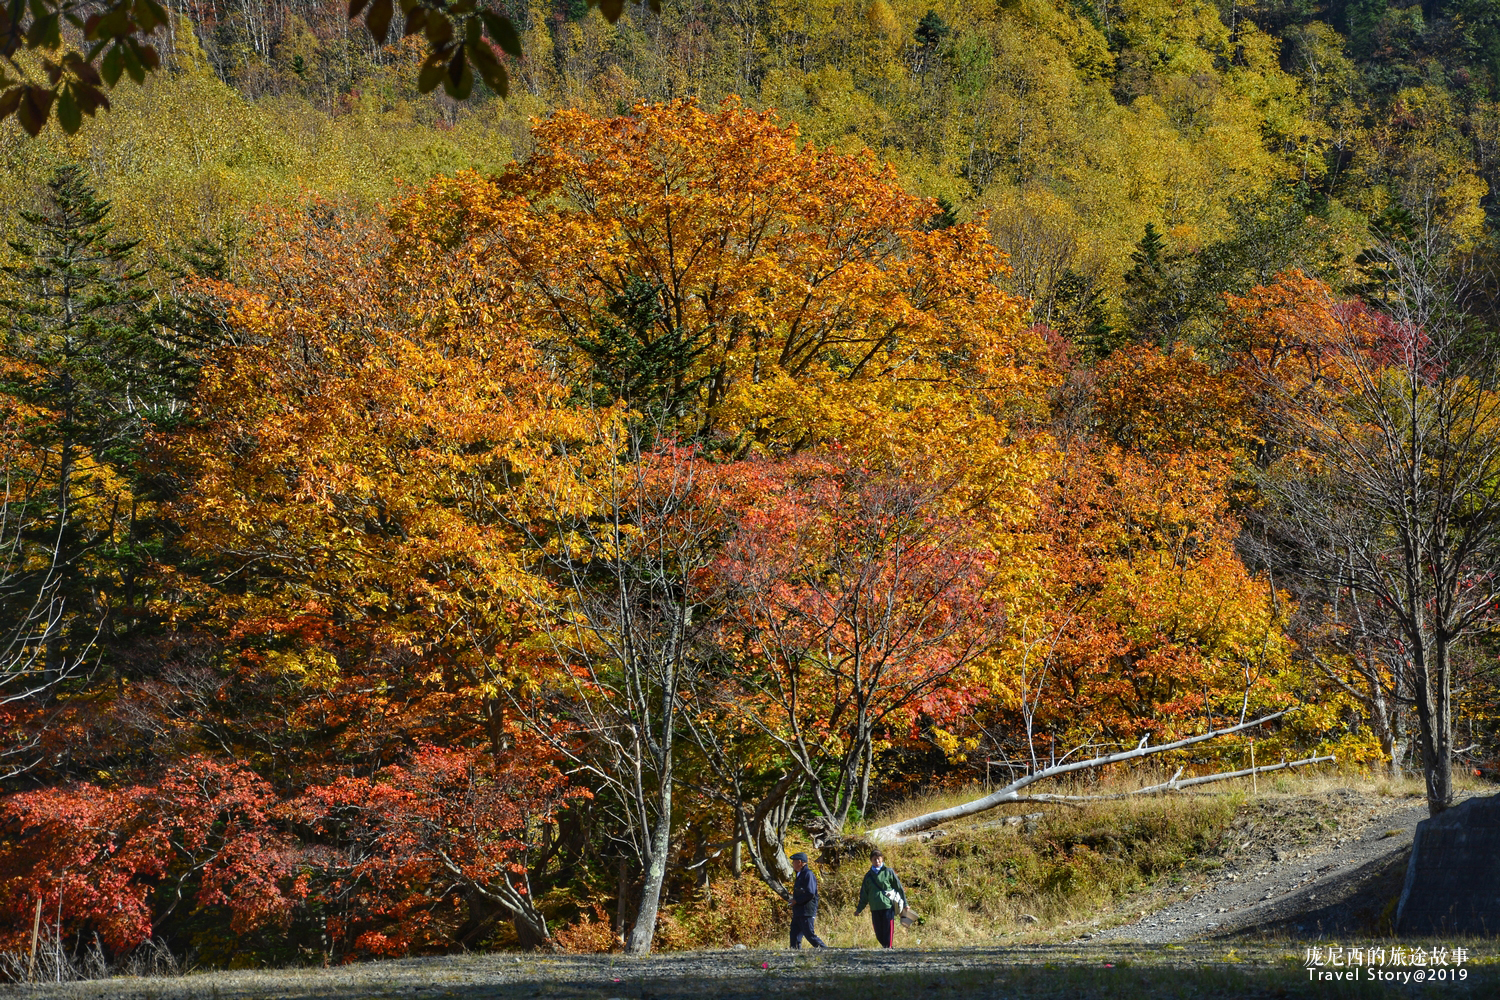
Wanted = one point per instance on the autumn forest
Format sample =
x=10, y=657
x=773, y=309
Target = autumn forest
x=437, y=520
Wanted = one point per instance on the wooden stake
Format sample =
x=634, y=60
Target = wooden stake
x=1254, y=776
x=36, y=929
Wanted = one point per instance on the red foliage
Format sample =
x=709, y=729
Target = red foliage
x=406, y=850
x=203, y=835
x=855, y=598
x=399, y=856
x=872, y=575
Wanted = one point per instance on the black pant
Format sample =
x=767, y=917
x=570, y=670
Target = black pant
x=885, y=926
x=802, y=927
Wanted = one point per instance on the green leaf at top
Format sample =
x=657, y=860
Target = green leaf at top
x=439, y=30
x=111, y=65
x=458, y=78
x=431, y=73
x=132, y=60
x=9, y=101
x=502, y=31
x=489, y=68
x=378, y=20
x=36, y=103
x=68, y=114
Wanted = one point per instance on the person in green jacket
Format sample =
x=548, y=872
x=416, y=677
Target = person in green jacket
x=883, y=893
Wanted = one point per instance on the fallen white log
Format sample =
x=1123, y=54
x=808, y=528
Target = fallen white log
x=1011, y=792
x=1172, y=785
x=1175, y=785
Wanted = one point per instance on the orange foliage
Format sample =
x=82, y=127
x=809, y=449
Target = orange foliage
x=814, y=300
x=1138, y=615
x=406, y=449
x=1297, y=336
x=1152, y=402
x=353, y=457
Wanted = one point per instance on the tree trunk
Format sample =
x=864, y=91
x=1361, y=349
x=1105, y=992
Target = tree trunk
x=769, y=841
x=644, y=931
x=864, y=776
x=1435, y=727
x=1400, y=738
x=1381, y=722
x=700, y=859
x=622, y=896
x=772, y=817
x=56, y=657
x=531, y=931
x=484, y=913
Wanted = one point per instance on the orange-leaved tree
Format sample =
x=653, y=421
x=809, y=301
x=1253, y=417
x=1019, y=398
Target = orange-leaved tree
x=355, y=446
x=1137, y=616
x=1381, y=492
x=723, y=282
x=776, y=294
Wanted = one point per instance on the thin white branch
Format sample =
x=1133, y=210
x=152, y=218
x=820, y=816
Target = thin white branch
x=1010, y=793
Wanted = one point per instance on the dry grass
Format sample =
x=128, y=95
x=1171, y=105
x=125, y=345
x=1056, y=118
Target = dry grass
x=1119, y=780
x=978, y=884
x=1199, y=971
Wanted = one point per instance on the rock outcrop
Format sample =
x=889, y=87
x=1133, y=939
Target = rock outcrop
x=1453, y=879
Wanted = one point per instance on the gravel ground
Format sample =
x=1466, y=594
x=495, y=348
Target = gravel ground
x=1287, y=878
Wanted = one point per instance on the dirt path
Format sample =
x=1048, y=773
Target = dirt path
x=1293, y=872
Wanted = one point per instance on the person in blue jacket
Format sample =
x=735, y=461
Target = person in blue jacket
x=804, y=903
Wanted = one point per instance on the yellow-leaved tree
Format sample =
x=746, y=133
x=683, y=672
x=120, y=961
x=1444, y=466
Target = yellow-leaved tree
x=726, y=284
x=766, y=293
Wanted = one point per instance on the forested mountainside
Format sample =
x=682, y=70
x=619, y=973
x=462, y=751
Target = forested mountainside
x=432, y=525
x=1264, y=134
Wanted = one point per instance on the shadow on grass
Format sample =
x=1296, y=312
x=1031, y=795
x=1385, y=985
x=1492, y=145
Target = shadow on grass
x=1115, y=972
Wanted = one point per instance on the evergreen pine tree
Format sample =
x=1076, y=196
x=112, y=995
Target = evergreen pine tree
x=639, y=357
x=1078, y=314
x=931, y=30
x=84, y=375
x=187, y=327
x=1155, y=296
x=946, y=217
